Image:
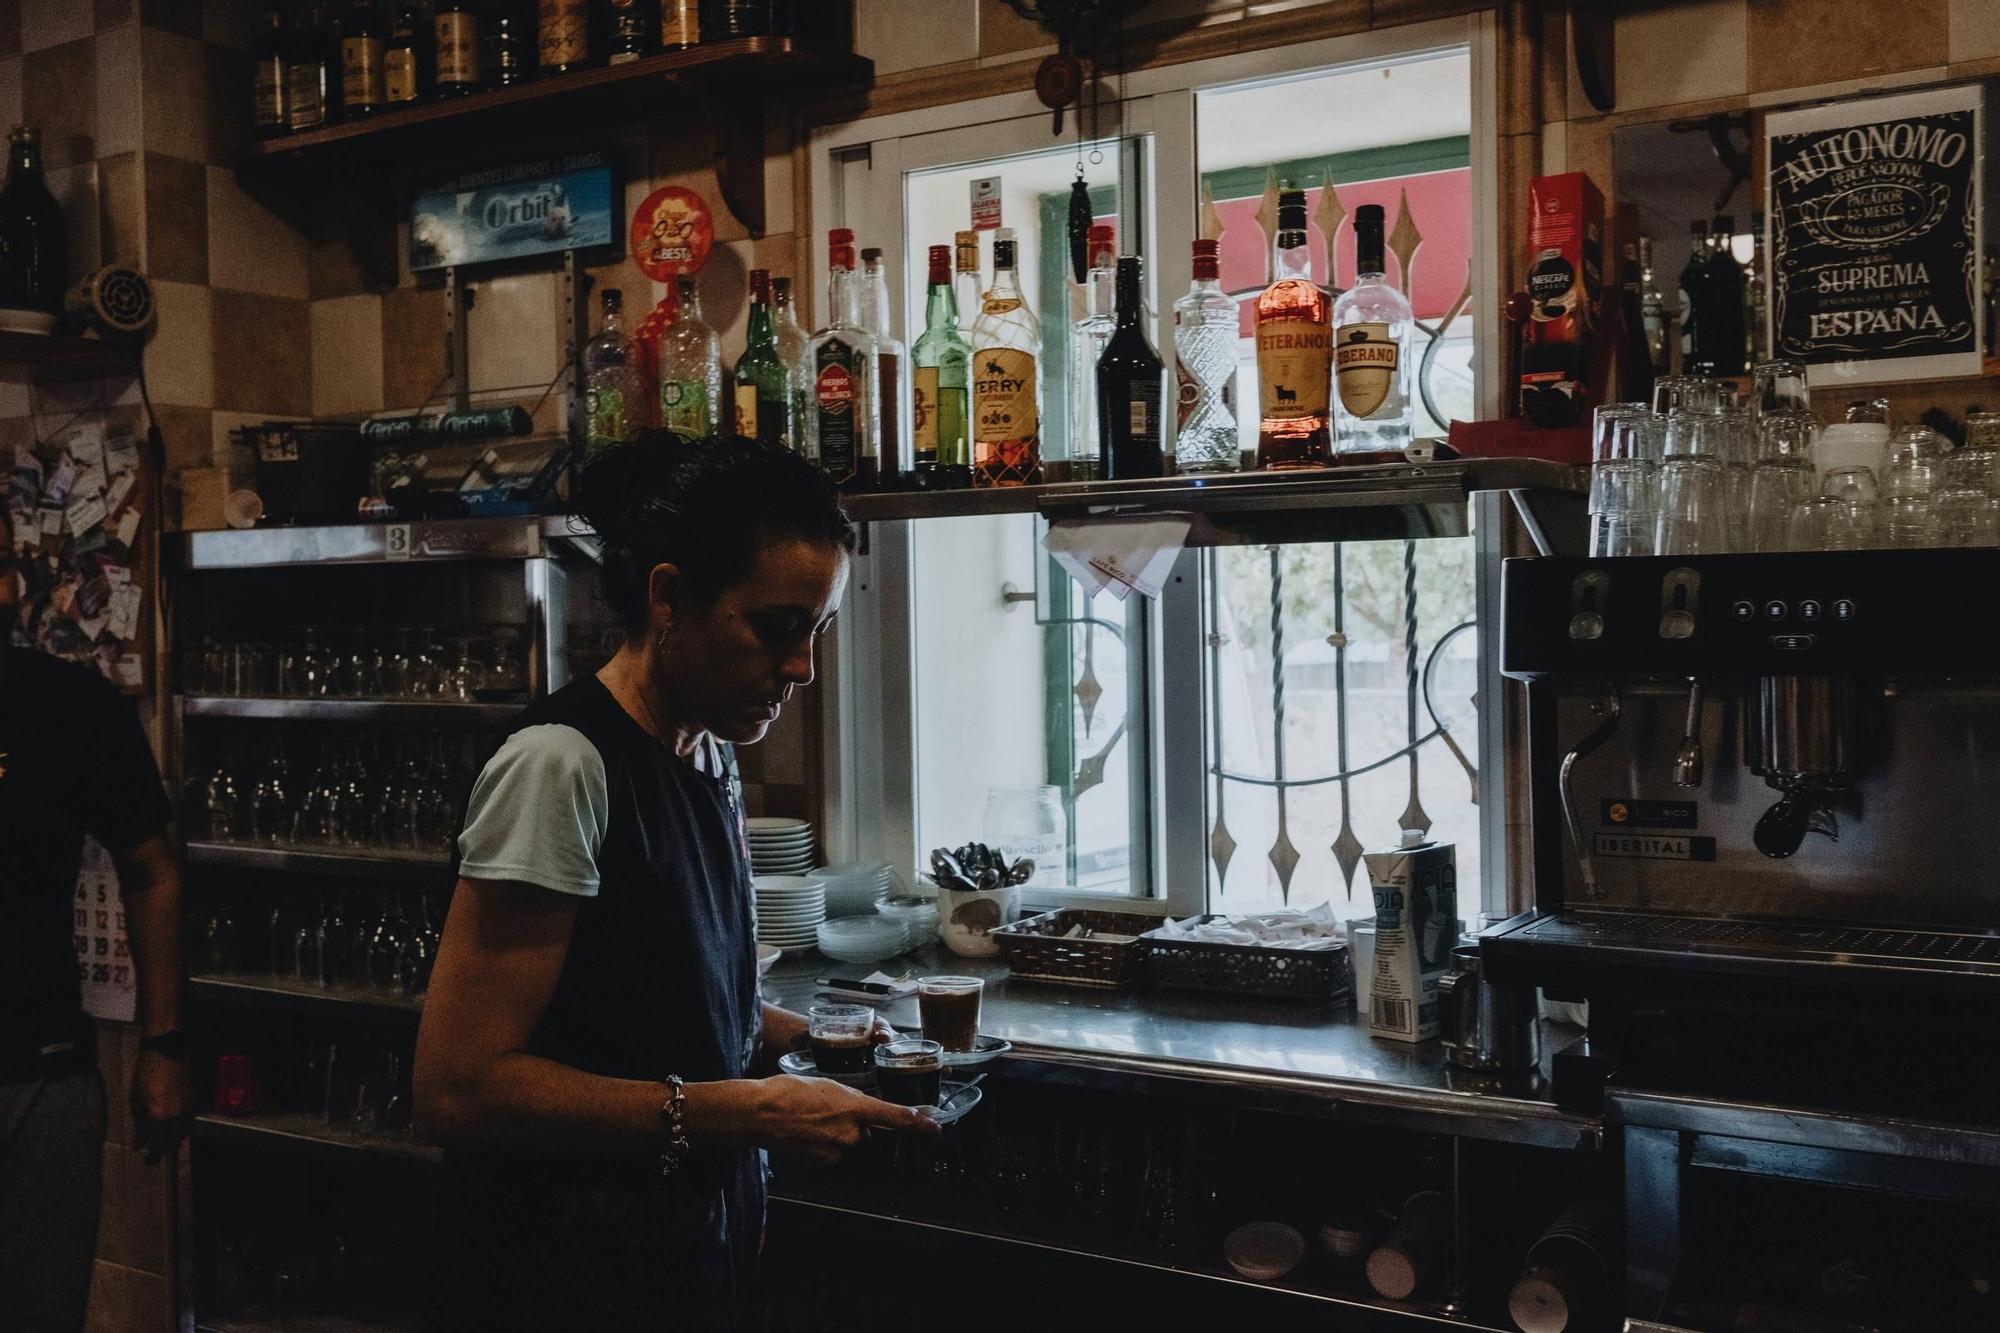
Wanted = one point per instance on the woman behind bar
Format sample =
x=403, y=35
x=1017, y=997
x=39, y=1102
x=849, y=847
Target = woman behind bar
x=593, y=1018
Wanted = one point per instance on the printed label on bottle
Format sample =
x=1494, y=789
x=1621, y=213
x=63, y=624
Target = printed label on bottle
x=1003, y=395
x=746, y=410
x=1364, y=361
x=834, y=402
x=457, y=49
x=306, y=96
x=1143, y=411
x=605, y=407
x=684, y=407
x=628, y=31
x=1294, y=368
x=999, y=305
x=923, y=414
x=680, y=23
x=361, y=71
x=564, y=31
x=267, y=102
x=399, y=75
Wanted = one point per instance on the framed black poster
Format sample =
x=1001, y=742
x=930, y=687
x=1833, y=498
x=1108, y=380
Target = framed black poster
x=1874, y=235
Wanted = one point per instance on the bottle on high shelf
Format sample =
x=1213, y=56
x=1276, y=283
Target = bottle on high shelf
x=632, y=31
x=34, y=242
x=1372, y=369
x=740, y=18
x=680, y=24
x=1653, y=310
x=966, y=289
x=1635, y=355
x=690, y=368
x=1294, y=352
x=511, y=55
x=1721, y=340
x=763, y=384
x=842, y=366
x=1006, y=379
x=1693, y=289
x=940, y=445
x=795, y=348
x=363, y=91
x=308, y=85
x=267, y=73
x=891, y=459
x=1205, y=329
x=1756, y=295
x=405, y=71
x=455, y=42
x=1131, y=388
x=562, y=36
x=1087, y=337
x=610, y=399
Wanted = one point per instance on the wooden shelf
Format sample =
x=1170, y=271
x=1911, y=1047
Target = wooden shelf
x=265, y=990
x=384, y=712
x=295, y=1131
x=403, y=867
x=56, y=356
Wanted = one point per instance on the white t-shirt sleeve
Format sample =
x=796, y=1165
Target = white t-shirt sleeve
x=538, y=812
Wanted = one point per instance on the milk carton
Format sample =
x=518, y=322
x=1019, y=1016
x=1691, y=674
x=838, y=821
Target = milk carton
x=1416, y=923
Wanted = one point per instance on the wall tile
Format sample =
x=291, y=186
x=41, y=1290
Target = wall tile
x=188, y=436
x=176, y=218
x=115, y=13
x=132, y=1229
x=910, y=34
x=331, y=268
x=174, y=94
x=228, y=78
x=10, y=28
x=118, y=91
x=1794, y=43
x=512, y=332
x=263, y=353
x=49, y=101
x=250, y=249
x=76, y=189
x=1003, y=32
x=180, y=360
x=10, y=91
x=412, y=345
x=177, y=16
x=1975, y=29
x=1689, y=52
x=120, y=213
x=46, y=23
x=125, y=1300
x=347, y=355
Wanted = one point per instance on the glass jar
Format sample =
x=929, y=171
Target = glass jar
x=1030, y=822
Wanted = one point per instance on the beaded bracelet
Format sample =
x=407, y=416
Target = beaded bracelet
x=675, y=1113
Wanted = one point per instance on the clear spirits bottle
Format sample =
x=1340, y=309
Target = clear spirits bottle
x=1294, y=352
x=763, y=386
x=1131, y=388
x=609, y=396
x=1006, y=379
x=891, y=435
x=966, y=289
x=1755, y=295
x=842, y=366
x=1372, y=367
x=795, y=348
x=1205, y=329
x=1087, y=339
x=1653, y=310
x=1693, y=291
x=940, y=442
x=1721, y=339
x=690, y=368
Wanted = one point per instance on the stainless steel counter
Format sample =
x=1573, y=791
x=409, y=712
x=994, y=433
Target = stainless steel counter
x=1315, y=1056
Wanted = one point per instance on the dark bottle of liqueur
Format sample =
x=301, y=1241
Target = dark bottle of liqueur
x=455, y=26
x=267, y=73
x=34, y=243
x=739, y=18
x=1131, y=381
x=510, y=56
x=363, y=90
x=405, y=67
x=633, y=32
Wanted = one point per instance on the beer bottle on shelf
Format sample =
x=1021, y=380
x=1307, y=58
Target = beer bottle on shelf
x=633, y=32
x=562, y=35
x=308, y=85
x=267, y=73
x=455, y=24
x=510, y=57
x=363, y=91
x=405, y=71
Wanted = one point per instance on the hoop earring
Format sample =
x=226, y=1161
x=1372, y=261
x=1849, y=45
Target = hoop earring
x=660, y=642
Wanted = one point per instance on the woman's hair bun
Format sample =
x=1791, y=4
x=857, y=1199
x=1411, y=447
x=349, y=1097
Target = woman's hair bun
x=617, y=486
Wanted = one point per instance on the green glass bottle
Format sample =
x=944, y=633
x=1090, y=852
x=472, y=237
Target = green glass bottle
x=764, y=405
x=941, y=444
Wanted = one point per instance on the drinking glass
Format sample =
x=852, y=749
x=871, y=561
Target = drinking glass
x=841, y=1037
x=318, y=822
x=1667, y=393
x=1778, y=486
x=1602, y=448
x=1623, y=501
x=1694, y=493
x=1778, y=386
x=1982, y=430
x=1705, y=393
x=1868, y=410
x=948, y=1010
x=507, y=660
x=222, y=805
x=1698, y=433
x=462, y=681
x=1783, y=435
x=1739, y=450
x=1974, y=467
x=354, y=672
x=1965, y=516
x=1029, y=822
x=1841, y=517
x=1905, y=508
x=1916, y=444
x=270, y=800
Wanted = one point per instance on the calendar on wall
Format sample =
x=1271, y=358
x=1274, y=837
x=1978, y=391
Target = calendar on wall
x=103, y=955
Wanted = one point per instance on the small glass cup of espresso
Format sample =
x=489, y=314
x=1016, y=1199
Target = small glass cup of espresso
x=841, y=1036
x=949, y=1007
x=909, y=1072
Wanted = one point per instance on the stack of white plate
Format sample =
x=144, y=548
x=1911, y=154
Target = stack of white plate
x=789, y=911
x=854, y=889
x=780, y=846
x=861, y=939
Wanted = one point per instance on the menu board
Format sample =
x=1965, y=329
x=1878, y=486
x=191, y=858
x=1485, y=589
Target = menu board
x=1874, y=237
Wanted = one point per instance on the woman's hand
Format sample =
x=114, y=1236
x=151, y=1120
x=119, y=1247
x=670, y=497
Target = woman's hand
x=883, y=1033
x=820, y=1120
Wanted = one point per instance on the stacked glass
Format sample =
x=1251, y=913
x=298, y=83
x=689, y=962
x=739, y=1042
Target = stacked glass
x=1842, y=517
x=1624, y=479
x=1778, y=386
x=1910, y=481
x=1781, y=477
x=1965, y=510
x=1694, y=481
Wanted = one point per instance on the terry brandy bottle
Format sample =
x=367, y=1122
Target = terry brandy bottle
x=1371, y=352
x=1006, y=389
x=1294, y=352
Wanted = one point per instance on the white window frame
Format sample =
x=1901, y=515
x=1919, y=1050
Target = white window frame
x=856, y=180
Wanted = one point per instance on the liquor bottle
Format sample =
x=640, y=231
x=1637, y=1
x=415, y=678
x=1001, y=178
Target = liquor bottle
x=34, y=243
x=1294, y=352
x=1131, y=388
x=1006, y=388
x=510, y=57
x=455, y=28
x=1205, y=328
x=795, y=349
x=562, y=35
x=1653, y=310
x=891, y=435
x=1371, y=351
x=939, y=444
x=267, y=75
x=1720, y=337
x=405, y=72
x=763, y=385
x=842, y=365
x=966, y=290
x=1635, y=355
x=1087, y=337
x=1693, y=289
x=608, y=396
x=633, y=30
x=307, y=84
x=740, y=18
x=680, y=24
x=1755, y=295
x=690, y=368
x=363, y=90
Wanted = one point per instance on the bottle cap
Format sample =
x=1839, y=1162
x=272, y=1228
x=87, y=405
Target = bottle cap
x=686, y=288
x=1368, y=215
x=612, y=298
x=1004, y=234
x=872, y=255
x=1291, y=210
x=840, y=236
x=760, y=284
x=1207, y=260
x=781, y=285
x=940, y=256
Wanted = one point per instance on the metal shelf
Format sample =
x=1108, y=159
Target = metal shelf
x=298, y=1132
x=407, y=711
x=253, y=1322
x=266, y=990
x=53, y=356
x=456, y=539
x=419, y=867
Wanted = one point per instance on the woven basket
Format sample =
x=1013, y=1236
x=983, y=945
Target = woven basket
x=1035, y=952
x=1319, y=975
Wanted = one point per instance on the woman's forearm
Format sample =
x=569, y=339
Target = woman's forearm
x=784, y=1030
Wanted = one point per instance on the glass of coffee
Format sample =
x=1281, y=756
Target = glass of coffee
x=909, y=1072
x=841, y=1036
x=950, y=1010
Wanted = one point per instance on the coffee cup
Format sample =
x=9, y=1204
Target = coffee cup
x=909, y=1072
x=841, y=1037
x=949, y=1008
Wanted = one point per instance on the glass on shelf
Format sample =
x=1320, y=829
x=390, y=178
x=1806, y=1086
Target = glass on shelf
x=1030, y=822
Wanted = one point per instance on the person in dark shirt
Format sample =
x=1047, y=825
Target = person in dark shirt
x=73, y=761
